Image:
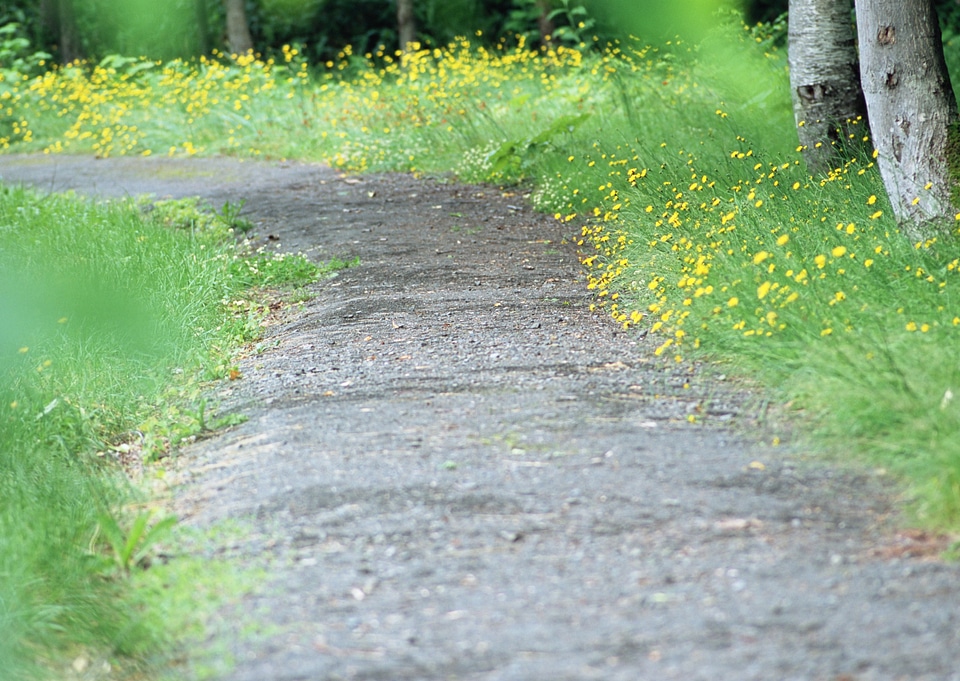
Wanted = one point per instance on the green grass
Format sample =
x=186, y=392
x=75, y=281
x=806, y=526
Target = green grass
x=112, y=319
x=188, y=599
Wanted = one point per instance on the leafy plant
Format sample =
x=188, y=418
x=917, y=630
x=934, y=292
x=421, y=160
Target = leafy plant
x=130, y=547
x=15, y=55
x=512, y=158
x=576, y=23
x=129, y=66
x=229, y=215
x=201, y=415
x=522, y=20
x=571, y=21
x=773, y=33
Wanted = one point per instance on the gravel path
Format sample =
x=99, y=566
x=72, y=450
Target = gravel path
x=462, y=473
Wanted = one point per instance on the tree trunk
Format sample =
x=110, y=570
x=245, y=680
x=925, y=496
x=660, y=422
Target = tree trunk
x=544, y=23
x=49, y=19
x=824, y=80
x=913, y=112
x=203, y=26
x=238, y=29
x=70, y=47
x=406, y=24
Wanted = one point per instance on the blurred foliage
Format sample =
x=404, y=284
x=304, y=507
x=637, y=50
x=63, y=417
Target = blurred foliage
x=16, y=55
x=166, y=29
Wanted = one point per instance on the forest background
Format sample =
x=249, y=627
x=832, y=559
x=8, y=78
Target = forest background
x=189, y=28
x=321, y=28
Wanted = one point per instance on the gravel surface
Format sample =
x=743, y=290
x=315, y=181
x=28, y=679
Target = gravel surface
x=459, y=472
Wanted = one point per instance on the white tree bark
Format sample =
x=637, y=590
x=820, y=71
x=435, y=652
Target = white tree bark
x=824, y=80
x=406, y=24
x=913, y=111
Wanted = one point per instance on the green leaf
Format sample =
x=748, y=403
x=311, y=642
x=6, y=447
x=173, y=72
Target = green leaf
x=564, y=124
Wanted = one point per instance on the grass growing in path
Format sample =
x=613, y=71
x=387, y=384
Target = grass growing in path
x=109, y=320
x=677, y=167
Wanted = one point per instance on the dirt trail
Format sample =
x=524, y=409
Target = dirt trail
x=465, y=474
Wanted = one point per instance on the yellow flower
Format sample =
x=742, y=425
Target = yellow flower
x=872, y=200
x=782, y=239
x=911, y=326
x=876, y=215
x=760, y=257
x=821, y=260
x=733, y=302
x=763, y=290
x=838, y=251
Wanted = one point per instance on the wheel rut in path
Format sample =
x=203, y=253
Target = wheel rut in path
x=463, y=473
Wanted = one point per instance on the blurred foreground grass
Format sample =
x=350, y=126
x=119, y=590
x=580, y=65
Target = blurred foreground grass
x=112, y=319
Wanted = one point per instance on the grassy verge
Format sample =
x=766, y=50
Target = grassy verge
x=675, y=164
x=113, y=318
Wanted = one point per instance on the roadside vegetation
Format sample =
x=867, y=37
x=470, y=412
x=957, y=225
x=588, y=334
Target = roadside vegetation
x=114, y=319
x=675, y=166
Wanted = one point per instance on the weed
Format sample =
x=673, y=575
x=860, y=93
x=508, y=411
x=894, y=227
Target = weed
x=129, y=548
x=230, y=216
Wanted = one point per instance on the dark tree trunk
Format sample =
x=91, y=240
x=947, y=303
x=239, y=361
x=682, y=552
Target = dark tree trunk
x=406, y=24
x=824, y=80
x=49, y=15
x=913, y=111
x=203, y=26
x=238, y=29
x=544, y=23
x=69, y=39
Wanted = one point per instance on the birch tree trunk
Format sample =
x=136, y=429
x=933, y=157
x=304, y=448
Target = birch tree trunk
x=239, y=39
x=824, y=80
x=406, y=24
x=913, y=111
